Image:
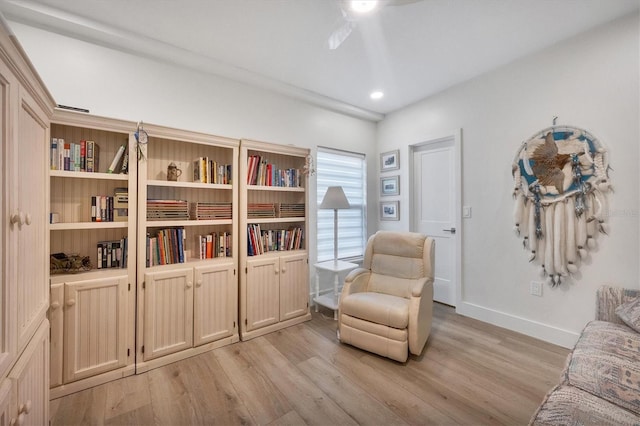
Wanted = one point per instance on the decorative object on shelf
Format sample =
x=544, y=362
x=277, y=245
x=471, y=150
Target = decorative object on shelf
x=61, y=263
x=142, y=138
x=561, y=181
x=173, y=172
x=390, y=161
x=335, y=199
x=309, y=169
x=390, y=185
x=390, y=210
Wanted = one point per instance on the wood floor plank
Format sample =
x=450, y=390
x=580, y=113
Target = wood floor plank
x=313, y=405
x=351, y=398
x=250, y=382
x=470, y=373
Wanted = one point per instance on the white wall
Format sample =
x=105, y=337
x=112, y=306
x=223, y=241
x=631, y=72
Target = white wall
x=590, y=81
x=115, y=84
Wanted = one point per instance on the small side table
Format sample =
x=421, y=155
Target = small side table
x=330, y=300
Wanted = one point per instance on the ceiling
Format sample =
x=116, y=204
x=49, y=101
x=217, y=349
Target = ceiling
x=409, y=52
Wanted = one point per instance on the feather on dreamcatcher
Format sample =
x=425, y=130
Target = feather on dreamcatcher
x=561, y=181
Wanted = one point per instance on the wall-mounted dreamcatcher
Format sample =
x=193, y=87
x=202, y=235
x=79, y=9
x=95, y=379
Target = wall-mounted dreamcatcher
x=561, y=181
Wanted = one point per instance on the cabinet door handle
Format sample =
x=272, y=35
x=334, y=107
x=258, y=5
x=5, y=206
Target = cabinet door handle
x=276, y=271
x=199, y=283
x=189, y=284
x=71, y=302
x=25, y=408
x=55, y=305
x=17, y=217
x=27, y=219
x=19, y=421
x=284, y=270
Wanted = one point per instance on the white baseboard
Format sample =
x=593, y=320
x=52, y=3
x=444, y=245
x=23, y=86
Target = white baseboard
x=557, y=336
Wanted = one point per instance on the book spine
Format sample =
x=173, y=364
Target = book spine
x=116, y=159
x=54, y=154
x=93, y=208
x=83, y=155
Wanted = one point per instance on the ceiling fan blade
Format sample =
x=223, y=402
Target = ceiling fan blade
x=340, y=34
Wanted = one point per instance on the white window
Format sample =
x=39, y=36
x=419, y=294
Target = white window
x=348, y=170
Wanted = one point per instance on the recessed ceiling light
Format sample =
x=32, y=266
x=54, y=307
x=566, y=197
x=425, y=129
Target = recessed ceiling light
x=363, y=6
x=376, y=95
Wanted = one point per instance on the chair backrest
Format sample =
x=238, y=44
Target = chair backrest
x=397, y=260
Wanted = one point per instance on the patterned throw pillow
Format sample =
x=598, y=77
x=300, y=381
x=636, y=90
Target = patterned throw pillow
x=629, y=313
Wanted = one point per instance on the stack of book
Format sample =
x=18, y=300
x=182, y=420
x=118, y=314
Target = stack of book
x=166, y=247
x=215, y=245
x=261, y=172
x=291, y=210
x=260, y=242
x=112, y=254
x=102, y=208
x=76, y=157
x=261, y=210
x=209, y=171
x=167, y=209
x=209, y=210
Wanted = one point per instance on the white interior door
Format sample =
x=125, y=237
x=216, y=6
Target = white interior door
x=435, y=196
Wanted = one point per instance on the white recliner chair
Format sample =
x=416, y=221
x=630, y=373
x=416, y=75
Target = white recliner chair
x=386, y=306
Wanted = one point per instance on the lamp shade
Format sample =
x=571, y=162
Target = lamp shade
x=334, y=198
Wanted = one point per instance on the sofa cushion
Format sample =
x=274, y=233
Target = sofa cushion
x=629, y=313
x=384, y=309
x=606, y=363
x=568, y=405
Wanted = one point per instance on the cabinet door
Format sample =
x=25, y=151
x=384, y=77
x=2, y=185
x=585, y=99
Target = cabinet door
x=215, y=303
x=95, y=327
x=263, y=276
x=28, y=173
x=6, y=404
x=294, y=286
x=168, y=312
x=31, y=376
x=8, y=269
x=57, y=327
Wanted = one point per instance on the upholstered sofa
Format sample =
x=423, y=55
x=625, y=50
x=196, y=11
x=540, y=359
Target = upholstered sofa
x=386, y=305
x=600, y=384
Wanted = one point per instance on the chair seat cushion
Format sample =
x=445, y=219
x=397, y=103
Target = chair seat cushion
x=392, y=311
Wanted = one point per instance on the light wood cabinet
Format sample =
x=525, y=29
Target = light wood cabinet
x=92, y=311
x=188, y=304
x=25, y=109
x=274, y=261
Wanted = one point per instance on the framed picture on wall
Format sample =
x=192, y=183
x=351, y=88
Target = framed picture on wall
x=390, y=161
x=390, y=210
x=390, y=185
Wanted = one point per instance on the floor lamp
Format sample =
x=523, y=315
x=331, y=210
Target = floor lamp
x=335, y=199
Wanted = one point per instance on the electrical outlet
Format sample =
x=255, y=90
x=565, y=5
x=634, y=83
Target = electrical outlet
x=535, y=288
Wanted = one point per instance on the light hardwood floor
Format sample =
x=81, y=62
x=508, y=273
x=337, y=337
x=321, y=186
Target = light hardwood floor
x=469, y=373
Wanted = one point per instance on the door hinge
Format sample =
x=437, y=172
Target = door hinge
x=245, y=322
x=234, y=271
x=128, y=351
x=307, y=304
x=129, y=287
x=307, y=260
x=234, y=324
x=246, y=270
x=142, y=349
x=143, y=285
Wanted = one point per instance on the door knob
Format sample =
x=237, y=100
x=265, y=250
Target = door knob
x=17, y=217
x=71, y=302
x=55, y=305
x=452, y=230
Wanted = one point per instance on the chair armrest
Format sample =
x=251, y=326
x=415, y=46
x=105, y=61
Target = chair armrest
x=356, y=281
x=416, y=290
x=608, y=298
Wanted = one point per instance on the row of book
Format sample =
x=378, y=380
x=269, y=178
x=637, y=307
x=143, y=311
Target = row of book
x=264, y=241
x=112, y=254
x=210, y=210
x=261, y=172
x=105, y=208
x=166, y=247
x=273, y=210
x=209, y=171
x=215, y=245
x=75, y=157
x=167, y=210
